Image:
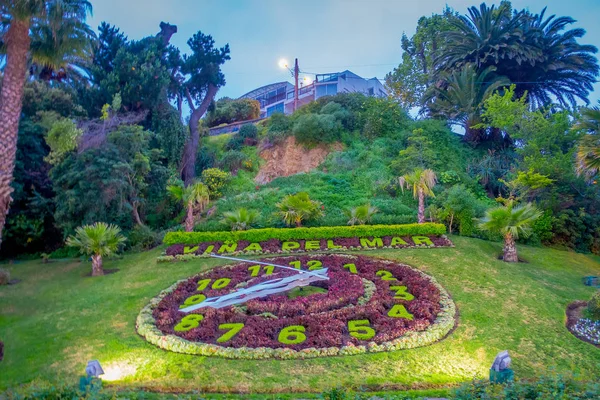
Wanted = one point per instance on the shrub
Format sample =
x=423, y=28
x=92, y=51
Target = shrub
x=4, y=277
x=317, y=128
x=215, y=179
x=141, y=237
x=294, y=209
x=234, y=160
x=361, y=215
x=235, y=142
x=240, y=219
x=594, y=305
x=248, y=131
x=327, y=232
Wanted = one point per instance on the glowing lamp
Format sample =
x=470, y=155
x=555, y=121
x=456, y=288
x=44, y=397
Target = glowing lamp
x=283, y=63
x=93, y=369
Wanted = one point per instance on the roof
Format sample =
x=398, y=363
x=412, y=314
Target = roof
x=264, y=89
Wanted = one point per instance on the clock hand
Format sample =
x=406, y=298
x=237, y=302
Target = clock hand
x=275, y=265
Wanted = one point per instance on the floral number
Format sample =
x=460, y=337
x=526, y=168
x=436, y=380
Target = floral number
x=360, y=329
x=188, y=322
x=296, y=264
x=314, y=264
x=221, y=283
x=401, y=293
x=195, y=299
x=351, y=268
x=385, y=275
x=399, y=311
x=233, y=330
x=292, y=335
x=255, y=269
x=203, y=284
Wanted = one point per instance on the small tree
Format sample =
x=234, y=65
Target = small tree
x=98, y=240
x=361, y=215
x=422, y=182
x=294, y=209
x=195, y=198
x=510, y=222
x=240, y=219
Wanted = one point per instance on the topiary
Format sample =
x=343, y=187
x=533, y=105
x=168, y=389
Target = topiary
x=594, y=305
x=4, y=277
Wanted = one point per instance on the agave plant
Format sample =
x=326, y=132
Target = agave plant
x=97, y=240
x=297, y=208
x=510, y=222
x=240, y=219
x=361, y=215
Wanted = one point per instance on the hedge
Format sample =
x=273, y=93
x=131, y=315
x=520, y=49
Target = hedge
x=326, y=232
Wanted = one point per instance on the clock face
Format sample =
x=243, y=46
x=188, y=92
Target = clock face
x=367, y=304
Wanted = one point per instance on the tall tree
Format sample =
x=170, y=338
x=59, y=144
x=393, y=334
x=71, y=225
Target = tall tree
x=195, y=198
x=18, y=17
x=421, y=181
x=200, y=78
x=588, y=151
x=460, y=97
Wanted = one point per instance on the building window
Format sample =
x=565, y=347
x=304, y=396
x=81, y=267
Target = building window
x=277, y=108
x=326, y=90
x=371, y=91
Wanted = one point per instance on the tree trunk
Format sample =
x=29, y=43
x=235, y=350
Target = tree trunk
x=191, y=146
x=189, y=218
x=510, y=249
x=136, y=213
x=17, y=42
x=451, y=221
x=97, y=265
x=421, y=218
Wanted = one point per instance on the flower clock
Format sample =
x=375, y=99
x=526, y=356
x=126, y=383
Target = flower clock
x=300, y=307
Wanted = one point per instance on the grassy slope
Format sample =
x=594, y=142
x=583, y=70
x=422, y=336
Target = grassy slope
x=55, y=320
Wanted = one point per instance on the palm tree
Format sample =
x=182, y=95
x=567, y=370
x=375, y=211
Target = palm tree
x=588, y=151
x=240, y=219
x=510, y=222
x=361, y=215
x=294, y=209
x=97, y=240
x=195, y=198
x=422, y=182
x=460, y=95
x=19, y=19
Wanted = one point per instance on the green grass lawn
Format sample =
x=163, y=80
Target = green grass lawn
x=55, y=320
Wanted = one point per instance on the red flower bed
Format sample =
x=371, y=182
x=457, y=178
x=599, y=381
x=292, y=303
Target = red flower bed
x=325, y=317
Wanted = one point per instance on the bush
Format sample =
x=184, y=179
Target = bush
x=361, y=215
x=594, y=306
x=234, y=160
x=317, y=128
x=141, y=237
x=215, y=179
x=297, y=208
x=235, y=142
x=241, y=219
x=327, y=232
x=248, y=131
x=4, y=277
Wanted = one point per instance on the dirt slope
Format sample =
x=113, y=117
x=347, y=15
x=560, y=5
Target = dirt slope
x=290, y=158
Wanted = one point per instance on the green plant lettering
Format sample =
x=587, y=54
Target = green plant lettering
x=188, y=250
x=385, y=275
x=399, y=311
x=397, y=240
x=376, y=242
x=312, y=245
x=360, y=329
x=221, y=283
x=253, y=247
x=418, y=240
x=203, y=284
x=331, y=245
x=188, y=322
x=314, y=264
x=401, y=293
x=209, y=249
x=192, y=300
x=296, y=264
x=351, y=268
x=233, y=330
x=227, y=248
x=290, y=245
x=255, y=269
x=293, y=334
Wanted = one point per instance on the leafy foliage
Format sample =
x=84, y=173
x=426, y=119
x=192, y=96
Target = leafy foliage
x=297, y=208
x=227, y=111
x=241, y=219
x=361, y=215
x=215, y=179
x=97, y=239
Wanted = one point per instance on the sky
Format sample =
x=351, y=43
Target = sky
x=325, y=35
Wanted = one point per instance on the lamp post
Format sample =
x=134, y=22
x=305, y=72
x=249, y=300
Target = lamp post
x=295, y=72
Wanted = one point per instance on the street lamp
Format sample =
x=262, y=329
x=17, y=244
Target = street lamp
x=283, y=64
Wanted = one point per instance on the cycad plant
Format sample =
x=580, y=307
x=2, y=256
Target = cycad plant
x=97, y=240
x=422, y=182
x=361, y=215
x=240, y=219
x=297, y=208
x=195, y=198
x=511, y=222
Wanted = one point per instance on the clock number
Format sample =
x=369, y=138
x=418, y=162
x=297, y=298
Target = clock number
x=399, y=311
x=255, y=269
x=203, y=284
x=296, y=264
x=351, y=268
x=314, y=264
x=360, y=329
x=233, y=330
x=195, y=299
x=188, y=322
x=401, y=293
x=385, y=275
x=221, y=283
x=292, y=335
